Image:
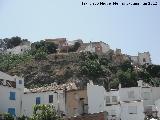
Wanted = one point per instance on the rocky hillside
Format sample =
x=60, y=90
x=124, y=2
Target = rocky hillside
x=42, y=66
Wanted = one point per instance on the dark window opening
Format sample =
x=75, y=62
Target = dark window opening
x=50, y=98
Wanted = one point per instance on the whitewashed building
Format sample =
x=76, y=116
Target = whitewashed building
x=19, y=49
x=53, y=94
x=49, y=96
x=17, y=100
x=11, y=91
x=124, y=104
x=131, y=103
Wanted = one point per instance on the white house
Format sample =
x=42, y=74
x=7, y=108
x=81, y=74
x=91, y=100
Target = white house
x=124, y=104
x=55, y=98
x=99, y=100
x=19, y=49
x=132, y=110
x=11, y=91
x=53, y=94
x=131, y=103
x=17, y=100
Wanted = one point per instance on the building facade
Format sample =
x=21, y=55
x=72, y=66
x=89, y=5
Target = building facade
x=94, y=47
x=76, y=102
x=141, y=59
x=19, y=49
x=54, y=98
x=11, y=91
x=124, y=104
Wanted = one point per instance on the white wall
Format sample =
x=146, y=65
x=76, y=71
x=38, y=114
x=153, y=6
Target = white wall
x=147, y=101
x=157, y=104
x=123, y=93
x=113, y=111
x=155, y=93
x=5, y=101
x=29, y=100
x=96, y=98
x=97, y=102
x=125, y=115
x=19, y=49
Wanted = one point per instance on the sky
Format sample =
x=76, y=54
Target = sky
x=130, y=28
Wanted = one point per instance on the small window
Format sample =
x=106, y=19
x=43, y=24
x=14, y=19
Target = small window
x=132, y=109
x=38, y=100
x=114, y=99
x=12, y=96
x=12, y=111
x=20, y=81
x=50, y=98
x=131, y=94
x=144, y=60
x=107, y=99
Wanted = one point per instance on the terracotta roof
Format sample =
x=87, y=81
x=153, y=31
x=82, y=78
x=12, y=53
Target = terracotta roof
x=53, y=87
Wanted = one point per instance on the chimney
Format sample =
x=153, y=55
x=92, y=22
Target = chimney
x=140, y=82
x=120, y=85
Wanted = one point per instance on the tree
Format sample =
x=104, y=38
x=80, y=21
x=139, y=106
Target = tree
x=15, y=41
x=51, y=47
x=38, y=45
x=153, y=70
x=75, y=47
x=45, y=112
x=127, y=78
x=8, y=116
x=40, y=55
x=155, y=82
x=96, y=69
x=126, y=65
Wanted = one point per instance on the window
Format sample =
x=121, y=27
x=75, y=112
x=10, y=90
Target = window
x=144, y=60
x=146, y=95
x=131, y=94
x=50, y=98
x=114, y=99
x=20, y=81
x=132, y=109
x=12, y=96
x=38, y=100
x=12, y=111
x=107, y=99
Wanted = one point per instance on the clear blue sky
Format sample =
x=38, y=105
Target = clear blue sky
x=132, y=28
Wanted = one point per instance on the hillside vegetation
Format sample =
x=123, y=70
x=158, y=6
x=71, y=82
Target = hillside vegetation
x=40, y=67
